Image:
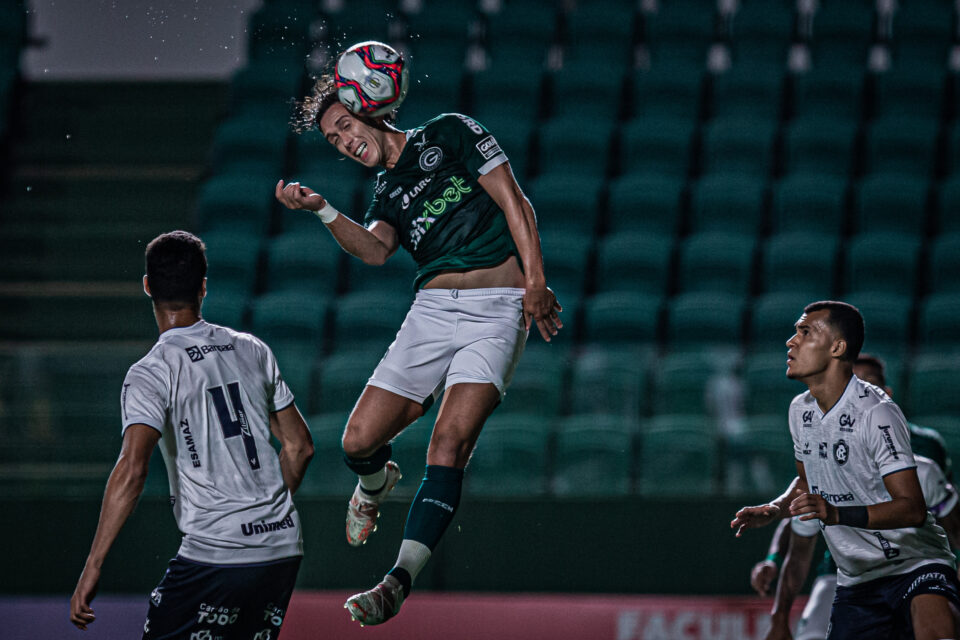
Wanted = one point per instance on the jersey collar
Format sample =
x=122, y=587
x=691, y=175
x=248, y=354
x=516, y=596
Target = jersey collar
x=176, y=331
x=848, y=390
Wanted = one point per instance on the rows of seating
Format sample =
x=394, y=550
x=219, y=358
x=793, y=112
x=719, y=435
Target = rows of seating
x=13, y=37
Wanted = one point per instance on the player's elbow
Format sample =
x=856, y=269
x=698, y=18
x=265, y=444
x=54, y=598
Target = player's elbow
x=917, y=513
x=131, y=472
x=300, y=450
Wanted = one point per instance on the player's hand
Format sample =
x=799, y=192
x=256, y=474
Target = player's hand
x=80, y=612
x=811, y=505
x=295, y=196
x=762, y=577
x=753, y=517
x=540, y=306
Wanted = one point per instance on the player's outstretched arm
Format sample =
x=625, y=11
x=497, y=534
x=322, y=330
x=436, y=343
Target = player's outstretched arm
x=793, y=574
x=296, y=445
x=763, y=576
x=906, y=508
x=763, y=514
x=120, y=497
x=540, y=305
x=373, y=245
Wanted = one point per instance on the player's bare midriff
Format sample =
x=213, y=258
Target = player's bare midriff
x=505, y=274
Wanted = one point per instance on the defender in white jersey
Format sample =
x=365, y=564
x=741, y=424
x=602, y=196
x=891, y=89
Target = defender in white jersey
x=857, y=475
x=211, y=397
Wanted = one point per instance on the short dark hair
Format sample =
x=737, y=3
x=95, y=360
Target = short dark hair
x=846, y=320
x=308, y=112
x=870, y=360
x=176, y=265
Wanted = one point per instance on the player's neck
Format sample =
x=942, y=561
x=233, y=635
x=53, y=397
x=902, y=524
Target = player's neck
x=827, y=387
x=393, y=144
x=168, y=318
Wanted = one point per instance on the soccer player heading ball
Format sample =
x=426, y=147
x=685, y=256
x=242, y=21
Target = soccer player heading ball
x=446, y=195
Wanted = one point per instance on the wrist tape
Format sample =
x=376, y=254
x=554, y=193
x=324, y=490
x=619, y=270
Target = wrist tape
x=327, y=214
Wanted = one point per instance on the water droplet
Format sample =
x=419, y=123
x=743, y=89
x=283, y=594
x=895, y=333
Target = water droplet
x=68, y=136
x=29, y=187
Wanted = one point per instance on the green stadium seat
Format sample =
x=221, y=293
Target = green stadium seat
x=353, y=22
x=266, y=86
x=893, y=203
x=928, y=19
x=622, y=317
x=762, y=454
x=530, y=21
x=678, y=457
x=667, y=91
x=944, y=264
x=828, y=92
x=227, y=305
x=842, y=31
x=410, y=452
x=236, y=202
x=772, y=317
x=279, y=28
x=39, y=316
x=932, y=387
x=537, y=382
x=947, y=425
x=394, y=276
x=509, y=457
x=297, y=361
x=910, y=90
x=882, y=261
x=751, y=89
x=327, y=475
x=303, y=262
x=705, y=319
x=645, y=203
x=233, y=258
x=239, y=140
x=566, y=203
x=902, y=144
x=738, y=144
x=717, y=261
x=949, y=203
x=585, y=89
x=681, y=383
x=805, y=201
x=938, y=327
x=369, y=318
x=438, y=20
x=657, y=144
x=288, y=316
x=513, y=134
x=566, y=257
x=594, y=456
x=727, y=202
x=634, y=261
x=767, y=390
x=342, y=378
x=887, y=319
x=611, y=380
x=680, y=20
x=501, y=78
x=757, y=18
x=574, y=147
x=612, y=21
x=819, y=145
x=798, y=261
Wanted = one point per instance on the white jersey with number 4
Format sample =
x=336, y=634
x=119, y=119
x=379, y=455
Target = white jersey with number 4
x=846, y=453
x=209, y=391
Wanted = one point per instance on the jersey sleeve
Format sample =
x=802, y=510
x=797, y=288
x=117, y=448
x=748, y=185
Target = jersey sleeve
x=805, y=528
x=375, y=211
x=279, y=394
x=473, y=145
x=887, y=439
x=940, y=495
x=145, y=397
x=792, y=419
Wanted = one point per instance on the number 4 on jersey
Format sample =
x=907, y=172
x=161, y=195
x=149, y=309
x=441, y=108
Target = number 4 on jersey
x=240, y=426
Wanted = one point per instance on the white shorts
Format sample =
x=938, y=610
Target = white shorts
x=816, y=615
x=451, y=336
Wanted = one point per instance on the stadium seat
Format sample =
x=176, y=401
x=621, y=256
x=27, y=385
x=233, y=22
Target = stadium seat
x=227, y=305
x=594, y=456
x=304, y=262
x=658, y=145
x=882, y=261
x=233, y=258
x=394, y=276
x=566, y=257
x=538, y=381
x=757, y=19
x=678, y=457
x=297, y=361
x=368, y=318
x=705, y=319
x=751, y=89
x=944, y=264
x=520, y=78
x=636, y=261
x=887, y=318
x=353, y=22
x=327, y=475
x=819, y=145
x=509, y=457
x=289, y=316
x=738, y=144
x=513, y=134
x=574, y=89
x=902, y=144
x=797, y=261
x=279, y=28
x=828, y=91
x=613, y=21
x=910, y=90
x=680, y=20
x=949, y=202
x=566, y=203
x=611, y=380
x=253, y=137
x=620, y=317
x=842, y=32
x=892, y=202
x=717, y=262
x=645, y=203
x=342, y=377
x=805, y=202
x=236, y=202
x=575, y=147
x=772, y=317
x=767, y=390
x=667, y=91
x=938, y=327
x=410, y=452
x=762, y=455
x=932, y=385
x=530, y=21
x=727, y=202
x=681, y=383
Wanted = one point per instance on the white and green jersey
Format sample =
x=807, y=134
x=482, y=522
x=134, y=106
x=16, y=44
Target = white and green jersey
x=209, y=391
x=846, y=452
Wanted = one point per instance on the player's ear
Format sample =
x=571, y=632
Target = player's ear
x=146, y=286
x=203, y=289
x=839, y=348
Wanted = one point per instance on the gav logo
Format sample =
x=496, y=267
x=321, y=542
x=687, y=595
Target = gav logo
x=431, y=158
x=807, y=418
x=841, y=452
x=846, y=420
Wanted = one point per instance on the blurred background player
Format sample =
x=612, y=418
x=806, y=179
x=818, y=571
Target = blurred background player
x=896, y=574
x=215, y=396
x=448, y=196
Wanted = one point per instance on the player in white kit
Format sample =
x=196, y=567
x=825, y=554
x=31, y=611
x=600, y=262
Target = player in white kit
x=211, y=397
x=857, y=475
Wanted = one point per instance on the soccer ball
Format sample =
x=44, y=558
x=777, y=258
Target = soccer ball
x=371, y=78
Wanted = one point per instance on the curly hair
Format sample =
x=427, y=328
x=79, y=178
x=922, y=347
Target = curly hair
x=323, y=95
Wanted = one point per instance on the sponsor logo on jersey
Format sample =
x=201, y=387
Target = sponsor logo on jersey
x=889, y=551
x=806, y=449
x=891, y=447
x=191, y=445
x=381, y=185
x=431, y=158
x=203, y=634
x=807, y=418
x=197, y=352
x=488, y=147
x=433, y=209
x=221, y=616
x=841, y=452
x=273, y=614
x=471, y=124
x=846, y=422
x=396, y=192
x=414, y=192
x=832, y=498
x=263, y=635
x=822, y=450
x=254, y=528
x=123, y=399
x=421, y=143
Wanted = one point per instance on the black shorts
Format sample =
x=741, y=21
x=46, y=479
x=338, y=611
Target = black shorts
x=197, y=601
x=880, y=609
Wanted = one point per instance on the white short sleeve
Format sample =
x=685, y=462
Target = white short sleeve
x=887, y=439
x=281, y=397
x=939, y=494
x=144, y=399
x=805, y=528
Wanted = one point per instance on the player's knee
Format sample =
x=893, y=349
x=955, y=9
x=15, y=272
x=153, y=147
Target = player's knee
x=449, y=450
x=357, y=444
